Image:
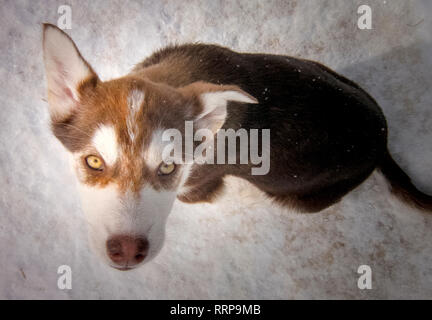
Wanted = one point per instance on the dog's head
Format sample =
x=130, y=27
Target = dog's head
x=113, y=132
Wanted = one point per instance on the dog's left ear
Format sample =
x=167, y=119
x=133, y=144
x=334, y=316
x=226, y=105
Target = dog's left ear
x=66, y=70
x=213, y=100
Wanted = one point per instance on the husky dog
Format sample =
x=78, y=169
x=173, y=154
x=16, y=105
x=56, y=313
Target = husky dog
x=327, y=136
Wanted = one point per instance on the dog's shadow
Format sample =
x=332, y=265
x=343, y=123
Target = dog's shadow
x=401, y=82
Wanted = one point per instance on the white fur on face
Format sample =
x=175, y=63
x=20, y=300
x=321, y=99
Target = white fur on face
x=110, y=213
x=135, y=101
x=185, y=175
x=100, y=206
x=153, y=153
x=105, y=142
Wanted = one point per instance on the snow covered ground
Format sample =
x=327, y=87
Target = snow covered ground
x=241, y=246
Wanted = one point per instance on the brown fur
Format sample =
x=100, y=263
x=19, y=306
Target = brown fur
x=327, y=134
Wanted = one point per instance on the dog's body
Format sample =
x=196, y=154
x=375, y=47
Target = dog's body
x=327, y=135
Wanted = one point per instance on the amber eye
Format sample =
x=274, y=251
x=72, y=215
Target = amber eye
x=166, y=168
x=94, y=162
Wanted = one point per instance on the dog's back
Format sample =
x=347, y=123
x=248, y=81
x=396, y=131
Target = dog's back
x=327, y=134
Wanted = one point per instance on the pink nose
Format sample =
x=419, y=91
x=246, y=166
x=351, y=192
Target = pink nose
x=127, y=251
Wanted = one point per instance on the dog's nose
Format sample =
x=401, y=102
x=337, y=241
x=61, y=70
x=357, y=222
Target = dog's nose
x=127, y=251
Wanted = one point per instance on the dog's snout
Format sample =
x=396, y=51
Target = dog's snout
x=127, y=251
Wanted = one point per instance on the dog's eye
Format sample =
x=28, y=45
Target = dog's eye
x=94, y=162
x=166, y=168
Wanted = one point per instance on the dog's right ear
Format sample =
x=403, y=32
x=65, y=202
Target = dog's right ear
x=66, y=71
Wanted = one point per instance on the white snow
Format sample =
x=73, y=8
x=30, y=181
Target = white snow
x=241, y=246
